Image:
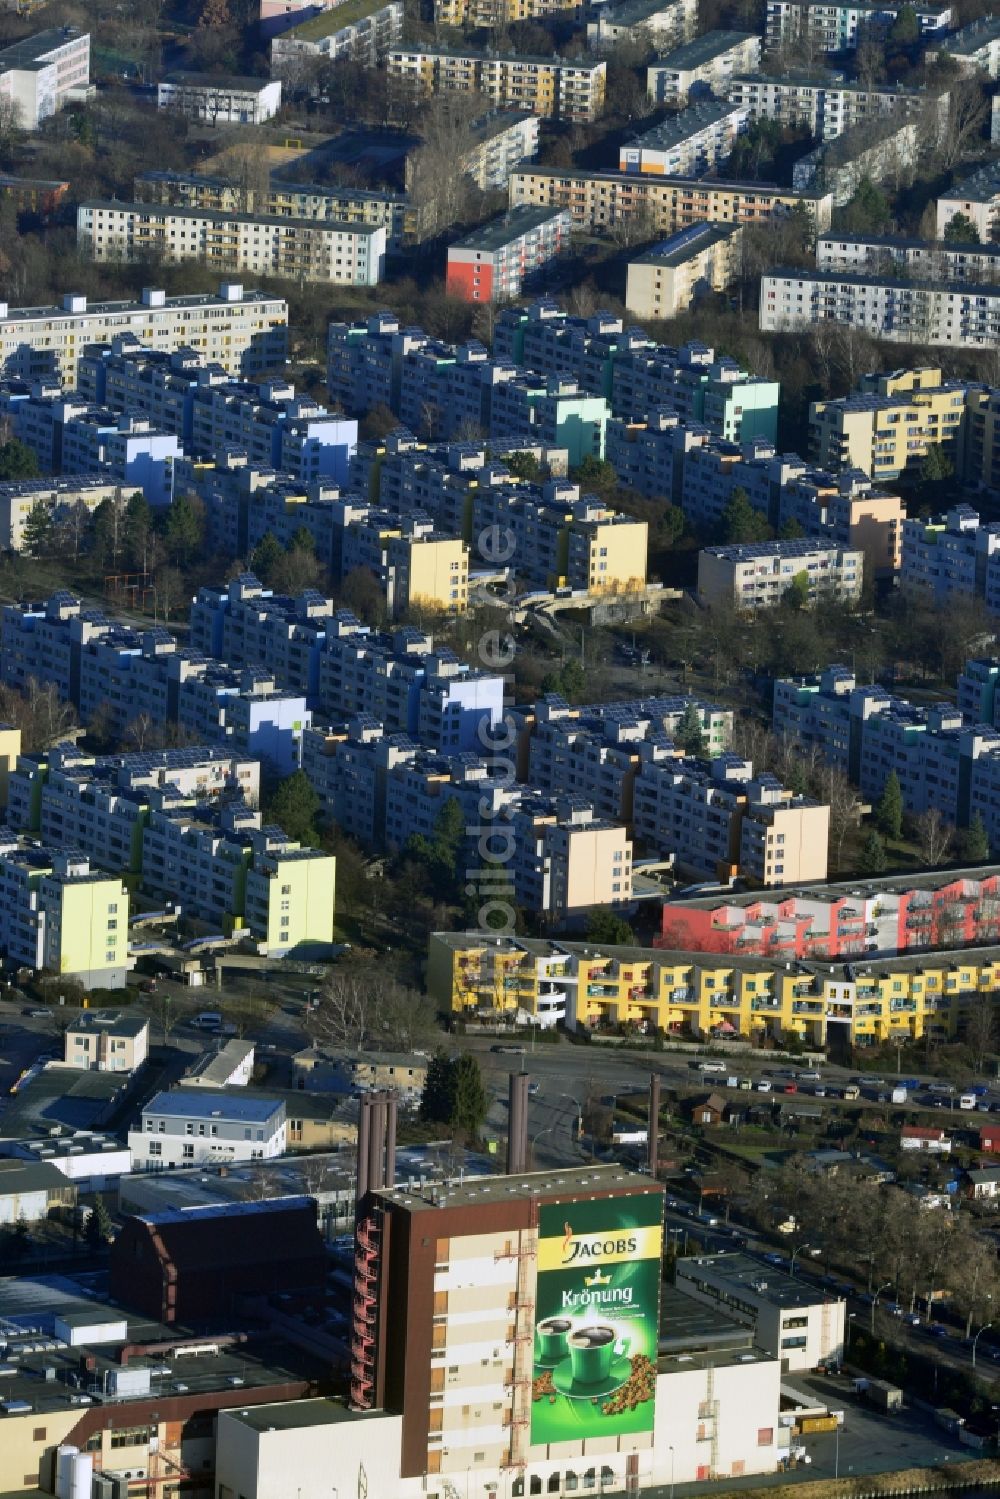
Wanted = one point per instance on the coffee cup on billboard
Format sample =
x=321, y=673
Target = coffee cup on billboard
x=592, y=1352
x=551, y=1338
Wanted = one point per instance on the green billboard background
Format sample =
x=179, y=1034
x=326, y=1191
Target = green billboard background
x=599, y=1272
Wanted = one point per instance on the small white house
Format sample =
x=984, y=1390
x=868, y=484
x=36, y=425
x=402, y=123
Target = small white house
x=220, y=101
x=227, y=1066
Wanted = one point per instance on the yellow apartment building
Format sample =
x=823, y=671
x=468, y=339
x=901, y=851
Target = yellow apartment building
x=706, y=995
x=499, y=12
x=889, y=422
x=290, y=897
x=551, y=87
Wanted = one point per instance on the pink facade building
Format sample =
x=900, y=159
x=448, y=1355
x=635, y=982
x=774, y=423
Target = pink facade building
x=878, y=917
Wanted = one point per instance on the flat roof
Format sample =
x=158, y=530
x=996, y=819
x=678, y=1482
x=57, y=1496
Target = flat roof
x=329, y=22
x=654, y=179
x=214, y=81
x=296, y=1415
x=36, y=48
x=702, y=49
x=473, y=54
x=112, y=1022
x=512, y=225
x=973, y=289
x=51, y=313
x=765, y=1282
x=686, y=243
x=701, y=115
x=574, y=1181
x=199, y=1103
x=224, y=216
x=688, y=1325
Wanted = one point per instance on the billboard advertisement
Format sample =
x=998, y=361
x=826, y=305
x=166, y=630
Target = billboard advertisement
x=597, y=1317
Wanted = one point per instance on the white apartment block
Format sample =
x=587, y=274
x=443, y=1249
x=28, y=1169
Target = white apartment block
x=836, y=25
x=298, y=249
x=60, y=497
x=497, y=143
x=698, y=139
x=245, y=332
x=885, y=253
x=941, y=759
x=975, y=48
x=878, y=151
x=58, y=914
x=956, y=313
x=758, y=575
x=212, y=856
x=670, y=23
x=40, y=73
x=98, y=663
x=793, y=1321
x=220, y=101
x=198, y=1127
x=703, y=66
x=826, y=104
x=210, y=412
x=977, y=198
x=357, y=33
x=953, y=556
x=284, y=199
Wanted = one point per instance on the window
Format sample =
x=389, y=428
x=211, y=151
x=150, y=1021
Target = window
x=765, y=1436
x=37, y=1435
x=156, y=1147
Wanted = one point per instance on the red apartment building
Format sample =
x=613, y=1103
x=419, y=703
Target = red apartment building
x=494, y=262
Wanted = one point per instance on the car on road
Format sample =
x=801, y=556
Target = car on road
x=912, y=1320
x=534, y=1089
x=937, y=1331
x=505, y=1050
x=810, y=1076
x=790, y=1088
x=36, y=1012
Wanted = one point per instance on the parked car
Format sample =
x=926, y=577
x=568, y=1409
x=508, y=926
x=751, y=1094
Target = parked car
x=36, y=1012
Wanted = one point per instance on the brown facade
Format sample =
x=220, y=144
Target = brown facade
x=192, y=1267
x=411, y=1240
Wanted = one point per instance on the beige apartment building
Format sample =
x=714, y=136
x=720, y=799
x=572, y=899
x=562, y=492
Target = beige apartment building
x=599, y=199
x=107, y=1041
x=889, y=423
x=665, y=281
x=721, y=820
x=245, y=332
x=758, y=575
x=551, y=87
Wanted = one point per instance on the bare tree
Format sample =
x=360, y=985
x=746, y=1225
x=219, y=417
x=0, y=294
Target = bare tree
x=935, y=836
x=846, y=806
x=966, y=114
x=980, y=1027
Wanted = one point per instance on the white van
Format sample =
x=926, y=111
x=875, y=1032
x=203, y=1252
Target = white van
x=967, y=1101
x=712, y=1067
x=208, y=1020
x=765, y=1085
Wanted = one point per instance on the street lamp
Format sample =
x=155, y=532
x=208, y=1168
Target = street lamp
x=875, y=1298
x=671, y=1473
x=836, y=1451
x=847, y=1341
x=976, y=1340
x=545, y=1130
x=579, y=1112
x=795, y=1254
